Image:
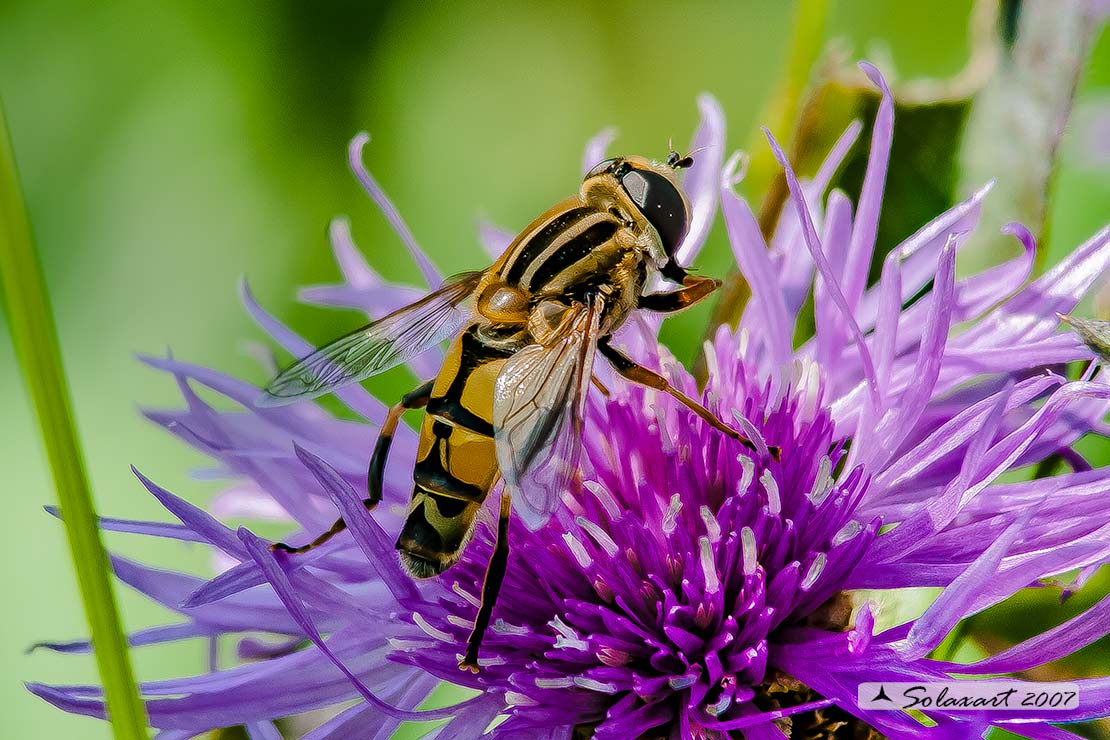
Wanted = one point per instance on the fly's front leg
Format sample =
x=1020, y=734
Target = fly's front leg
x=639, y=374
x=694, y=289
x=491, y=587
x=414, y=399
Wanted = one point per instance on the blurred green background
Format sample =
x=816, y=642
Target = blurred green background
x=169, y=148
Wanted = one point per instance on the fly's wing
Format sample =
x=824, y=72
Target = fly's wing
x=376, y=347
x=538, y=402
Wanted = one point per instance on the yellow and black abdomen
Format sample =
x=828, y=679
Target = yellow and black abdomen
x=456, y=460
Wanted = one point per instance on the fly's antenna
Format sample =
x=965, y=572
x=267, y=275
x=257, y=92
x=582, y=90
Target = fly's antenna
x=678, y=162
x=688, y=160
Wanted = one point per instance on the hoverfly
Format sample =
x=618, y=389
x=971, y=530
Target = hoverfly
x=509, y=400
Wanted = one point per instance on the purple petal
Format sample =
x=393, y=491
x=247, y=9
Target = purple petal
x=831, y=334
x=368, y=534
x=140, y=638
x=1031, y=314
x=195, y=518
x=596, y=149
x=354, y=396
x=495, y=239
x=284, y=590
x=825, y=269
x=243, y=393
x=911, y=404
x=364, y=722
x=262, y=731
x=702, y=179
x=1053, y=644
x=747, y=243
x=836, y=156
x=890, y=310
x=248, y=611
x=374, y=190
x=866, y=226
x=979, y=292
x=918, y=254
x=356, y=271
x=134, y=526
x=472, y=721
x=232, y=581
x=955, y=602
x=921, y=525
x=958, y=430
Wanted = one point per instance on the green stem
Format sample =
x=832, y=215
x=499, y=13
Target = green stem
x=780, y=113
x=36, y=345
x=763, y=181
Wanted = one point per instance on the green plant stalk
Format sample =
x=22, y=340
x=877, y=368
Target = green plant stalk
x=36, y=345
x=780, y=113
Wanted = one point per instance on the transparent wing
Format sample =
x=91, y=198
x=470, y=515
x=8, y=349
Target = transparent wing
x=376, y=347
x=539, y=399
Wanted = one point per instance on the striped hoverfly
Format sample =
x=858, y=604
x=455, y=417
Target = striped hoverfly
x=508, y=401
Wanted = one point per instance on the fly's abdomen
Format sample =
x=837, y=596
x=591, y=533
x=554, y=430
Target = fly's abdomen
x=456, y=461
x=435, y=532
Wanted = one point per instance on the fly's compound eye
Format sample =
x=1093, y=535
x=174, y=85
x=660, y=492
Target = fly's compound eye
x=661, y=203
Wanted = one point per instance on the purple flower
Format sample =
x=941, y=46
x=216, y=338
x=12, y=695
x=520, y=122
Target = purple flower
x=688, y=589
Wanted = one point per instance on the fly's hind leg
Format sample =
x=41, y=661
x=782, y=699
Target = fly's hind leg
x=491, y=587
x=335, y=529
x=639, y=374
x=414, y=399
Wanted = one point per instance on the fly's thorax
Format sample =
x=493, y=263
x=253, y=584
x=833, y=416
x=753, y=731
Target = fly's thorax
x=627, y=279
x=534, y=239
x=618, y=276
x=637, y=229
x=604, y=193
x=582, y=266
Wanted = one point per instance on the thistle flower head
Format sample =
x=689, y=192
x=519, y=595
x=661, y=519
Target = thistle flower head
x=689, y=587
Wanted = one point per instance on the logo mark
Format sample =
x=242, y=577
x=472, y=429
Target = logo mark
x=881, y=696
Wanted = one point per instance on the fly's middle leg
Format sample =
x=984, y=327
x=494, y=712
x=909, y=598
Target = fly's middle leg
x=639, y=374
x=415, y=399
x=491, y=587
x=599, y=385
